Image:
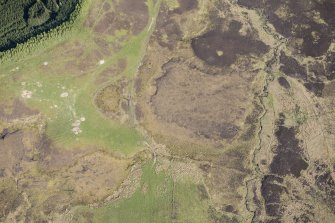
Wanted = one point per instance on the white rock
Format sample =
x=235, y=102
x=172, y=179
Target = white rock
x=219, y=53
x=101, y=62
x=26, y=94
x=76, y=130
x=64, y=95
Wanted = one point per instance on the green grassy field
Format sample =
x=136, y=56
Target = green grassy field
x=158, y=199
x=64, y=96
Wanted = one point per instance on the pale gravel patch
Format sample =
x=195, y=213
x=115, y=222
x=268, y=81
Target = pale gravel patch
x=26, y=94
x=64, y=95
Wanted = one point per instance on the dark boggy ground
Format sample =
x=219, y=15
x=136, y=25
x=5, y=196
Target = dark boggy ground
x=288, y=160
x=309, y=27
x=295, y=184
x=313, y=21
x=223, y=48
x=288, y=194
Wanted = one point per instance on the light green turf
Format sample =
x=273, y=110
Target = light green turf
x=97, y=130
x=158, y=199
